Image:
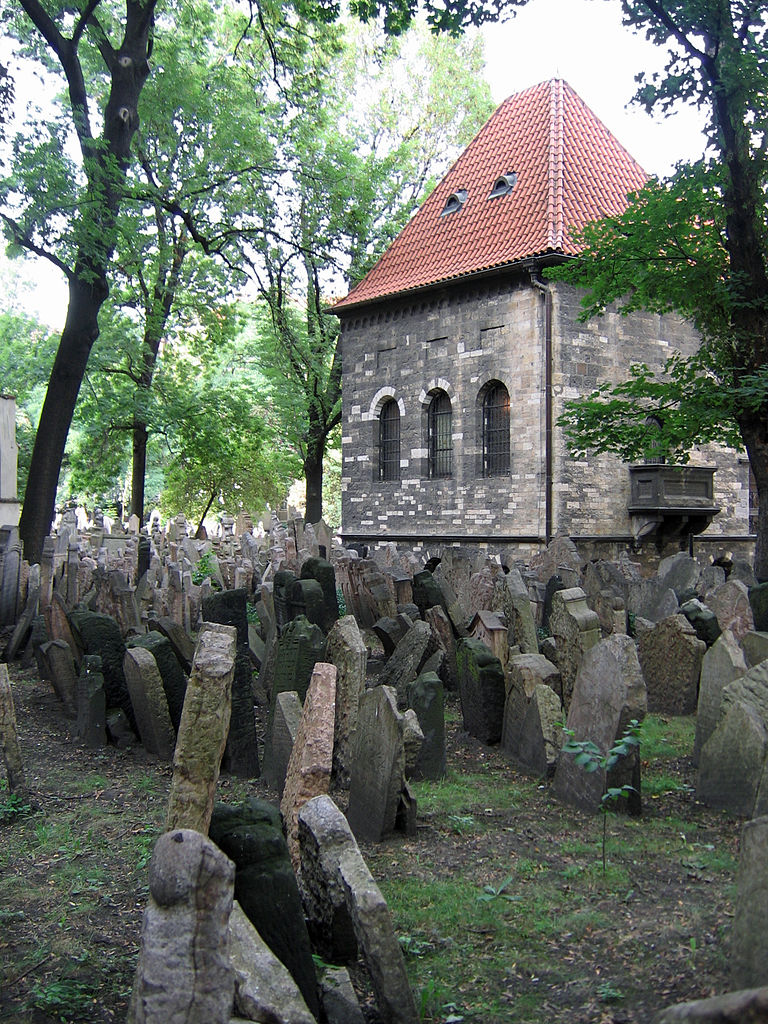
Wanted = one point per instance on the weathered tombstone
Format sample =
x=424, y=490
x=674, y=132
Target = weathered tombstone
x=320, y=569
x=285, y=725
x=100, y=635
x=608, y=694
x=443, y=633
x=481, y=689
x=60, y=669
x=722, y=663
x=305, y=597
x=747, y=1006
x=301, y=645
x=242, y=754
x=390, y=631
x=171, y=673
x=91, y=703
x=680, y=573
x=309, y=768
x=143, y=557
x=531, y=731
x=670, y=656
x=24, y=625
x=251, y=835
x=650, y=599
x=758, y=601
x=184, y=972
x=150, y=705
x=426, y=698
x=347, y=651
x=9, y=740
x=9, y=579
x=730, y=603
x=516, y=605
x=703, y=620
x=264, y=988
x=338, y=889
x=378, y=771
x=576, y=629
x=553, y=586
x=281, y=584
x=755, y=647
x=203, y=729
x=488, y=627
x=749, y=964
x=426, y=592
x=403, y=667
x=339, y=998
x=560, y=554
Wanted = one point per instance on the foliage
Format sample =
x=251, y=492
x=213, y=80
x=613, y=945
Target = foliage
x=205, y=570
x=696, y=244
x=589, y=757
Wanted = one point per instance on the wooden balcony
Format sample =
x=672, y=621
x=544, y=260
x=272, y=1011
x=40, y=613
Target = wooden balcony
x=671, y=501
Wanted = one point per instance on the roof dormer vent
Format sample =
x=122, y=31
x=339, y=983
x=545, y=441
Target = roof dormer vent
x=454, y=202
x=503, y=185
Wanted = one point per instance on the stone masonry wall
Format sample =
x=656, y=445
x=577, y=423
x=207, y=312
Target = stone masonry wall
x=459, y=339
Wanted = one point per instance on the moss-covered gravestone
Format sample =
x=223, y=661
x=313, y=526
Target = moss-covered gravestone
x=481, y=689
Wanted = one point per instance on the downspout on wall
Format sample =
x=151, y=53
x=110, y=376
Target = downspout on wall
x=546, y=293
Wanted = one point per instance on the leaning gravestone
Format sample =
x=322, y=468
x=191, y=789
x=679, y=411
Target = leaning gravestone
x=755, y=647
x=184, y=973
x=576, y=629
x=533, y=713
x=320, y=569
x=403, y=667
x=171, y=673
x=251, y=835
x=481, y=689
x=426, y=698
x=681, y=573
x=750, y=918
x=203, y=729
x=242, y=755
x=378, y=767
x=91, y=703
x=99, y=635
x=703, y=620
x=285, y=726
x=347, y=651
x=62, y=674
x=650, y=599
x=730, y=603
x=609, y=693
x=722, y=663
x=339, y=887
x=670, y=656
x=150, y=705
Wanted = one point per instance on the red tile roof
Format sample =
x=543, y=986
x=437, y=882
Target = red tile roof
x=570, y=170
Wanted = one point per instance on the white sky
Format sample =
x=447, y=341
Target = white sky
x=582, y=41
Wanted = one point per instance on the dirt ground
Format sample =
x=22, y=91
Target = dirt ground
x=611, y=949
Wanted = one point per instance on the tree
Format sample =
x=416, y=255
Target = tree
x=355, y=170
x=696, y=244
x=47, y=182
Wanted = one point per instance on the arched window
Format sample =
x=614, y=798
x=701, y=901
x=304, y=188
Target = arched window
x=495, y=430
x=654, y=449
x=439, y=440
x=389, y=441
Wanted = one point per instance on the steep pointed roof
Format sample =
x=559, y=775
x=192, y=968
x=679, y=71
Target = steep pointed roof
x=567, y=169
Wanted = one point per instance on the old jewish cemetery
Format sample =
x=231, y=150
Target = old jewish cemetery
x=327, y=689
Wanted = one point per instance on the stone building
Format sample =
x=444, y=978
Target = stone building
x=458, y=356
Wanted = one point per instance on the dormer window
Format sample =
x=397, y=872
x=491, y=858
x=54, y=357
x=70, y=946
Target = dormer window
x=503, y=185
x=454, y=202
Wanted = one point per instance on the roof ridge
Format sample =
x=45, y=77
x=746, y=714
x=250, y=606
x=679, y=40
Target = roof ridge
x=556, y=163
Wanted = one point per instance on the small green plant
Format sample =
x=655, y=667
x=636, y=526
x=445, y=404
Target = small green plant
x=411, y=945
x=251, y=614
x=608, y=993
x=495, y=892
x=13, y=806
x=341, y=602
x=435, y=1004
x=205, y=570
x=66, y=999
x=588, y=756
x=461, y=824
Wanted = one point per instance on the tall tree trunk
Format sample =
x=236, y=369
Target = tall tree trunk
x=754, y=430
x=313, y=475
x=138, y=469
x=80, y=332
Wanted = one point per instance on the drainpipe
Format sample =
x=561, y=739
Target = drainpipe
x=546, y=293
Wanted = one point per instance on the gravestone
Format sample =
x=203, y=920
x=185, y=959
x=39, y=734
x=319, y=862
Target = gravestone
x=251, y=835
x=320, y=569
x=722, y=663
x=518, y=613
x=680, y=573
x=481, y=690
x=650, y=599
x=347, y=651
x=60, y=670
x=100, y=635
x=443, y=633
x=181, y=642
x=426, y=592
x=228, y=608
x=150, y=705
x=755, y=647
x=264, y=988
x=91, y=703
x=730, y=603
x=309, y=767
x=533, y=713
x=378, y=768
x=24, y=624
x=283, y=580
x=285, y=726
x=488, y=627
x=758, y=602
x=608, y=694
x=427, y=699
x=332, y=869
x=670, y=656
x=305, y=597
x=409, y=655
x=576, y=629
x=749, y=965
x=171, y=673
x=203, y=729
x=184, y=972
x=703, y=620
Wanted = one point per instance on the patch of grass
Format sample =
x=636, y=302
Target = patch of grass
x=667, y=737
x=661, y=784
x=66, y=999
x=470, y=793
